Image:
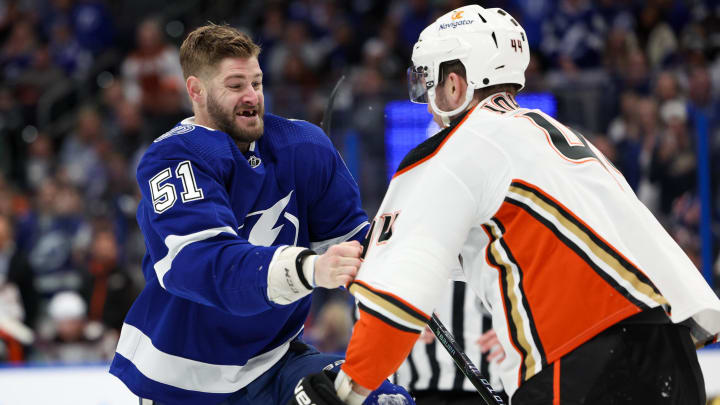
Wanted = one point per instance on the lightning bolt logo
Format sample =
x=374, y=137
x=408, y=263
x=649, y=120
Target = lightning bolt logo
x=265, y=232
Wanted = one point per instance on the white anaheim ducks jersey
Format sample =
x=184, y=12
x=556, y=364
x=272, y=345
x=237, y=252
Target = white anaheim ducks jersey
x=553, y=239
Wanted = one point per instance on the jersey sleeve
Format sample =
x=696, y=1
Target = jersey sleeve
x=191, y=234
x=336, y=214
x=414, y=244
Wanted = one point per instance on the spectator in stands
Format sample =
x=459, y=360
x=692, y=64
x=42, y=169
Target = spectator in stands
x=412, y=17
x=531, y=15
x=17, y=52
x=88, y=23
x=619, y=44
x=70, y=336
x=80, y=156
x=67, y=53
x=700, y=94
x=7, y=195
x=152, y=77
x=110, y=291
x=129, y=129
x=11, y=125
x=376, y=54
x=17, y=288
x=673, y=166
x=296, y=43
x=294, y=87
x=622, y=125
x=635, y=75
x=624, y=130
x=656, y=36
x=93, y=25
x=40, y=162
x=17, y=298
x=572, y=37
x=50, y=235
x=37, y=79
x=684, y=226
x=666, y=88
x=394, y=49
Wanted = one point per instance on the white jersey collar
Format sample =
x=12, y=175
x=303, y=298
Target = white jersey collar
x=191, y=121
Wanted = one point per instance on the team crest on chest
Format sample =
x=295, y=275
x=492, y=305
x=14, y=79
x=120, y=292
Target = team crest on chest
x=254, y=161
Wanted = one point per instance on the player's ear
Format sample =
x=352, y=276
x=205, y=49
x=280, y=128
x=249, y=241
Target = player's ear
x=456, y=87
x=196, y=89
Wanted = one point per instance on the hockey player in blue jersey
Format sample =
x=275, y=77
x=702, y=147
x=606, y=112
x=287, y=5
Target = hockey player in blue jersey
x=233, y=200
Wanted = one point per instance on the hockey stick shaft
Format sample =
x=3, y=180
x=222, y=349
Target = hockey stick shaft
x=327, y=115
x=482, y=385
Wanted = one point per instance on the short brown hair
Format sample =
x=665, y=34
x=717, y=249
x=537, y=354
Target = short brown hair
x=206, y=46
x=455, y=66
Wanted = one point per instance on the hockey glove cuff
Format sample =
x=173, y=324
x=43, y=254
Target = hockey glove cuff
x=344, y=390
x=291, y=274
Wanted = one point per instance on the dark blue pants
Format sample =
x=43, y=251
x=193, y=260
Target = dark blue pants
x=276, y=385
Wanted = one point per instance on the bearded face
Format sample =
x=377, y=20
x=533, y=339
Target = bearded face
x=244, y=123
x=234, y=102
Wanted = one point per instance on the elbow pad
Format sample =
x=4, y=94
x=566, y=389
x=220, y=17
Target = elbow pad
x=291, y=274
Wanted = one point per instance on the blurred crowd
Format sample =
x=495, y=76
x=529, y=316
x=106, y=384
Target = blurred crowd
x=86, y=85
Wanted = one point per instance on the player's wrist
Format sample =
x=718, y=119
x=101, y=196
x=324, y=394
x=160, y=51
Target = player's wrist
x=349, y=391
x=364, y=392
x=290, y=274
x=307, y=268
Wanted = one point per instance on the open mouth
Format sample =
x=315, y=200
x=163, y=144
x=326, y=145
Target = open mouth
x=248, y=113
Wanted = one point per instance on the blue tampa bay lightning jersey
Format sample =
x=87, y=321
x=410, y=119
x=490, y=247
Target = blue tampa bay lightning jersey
x=212, y=217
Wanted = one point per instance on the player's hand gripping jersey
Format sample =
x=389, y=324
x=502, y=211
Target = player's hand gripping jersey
x=212, y=219
x=549, y=232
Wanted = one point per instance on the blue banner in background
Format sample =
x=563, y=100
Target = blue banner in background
x=408, y=124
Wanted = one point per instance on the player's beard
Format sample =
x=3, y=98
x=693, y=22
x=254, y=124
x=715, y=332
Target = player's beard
x=225, y=121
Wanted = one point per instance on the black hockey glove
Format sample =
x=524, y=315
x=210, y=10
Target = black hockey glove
x=316, y=389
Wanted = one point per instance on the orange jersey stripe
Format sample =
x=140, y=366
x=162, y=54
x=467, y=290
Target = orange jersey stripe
x=569, y=212
x=559, y=285
x=376, y=350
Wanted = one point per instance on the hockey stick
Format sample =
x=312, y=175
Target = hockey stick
x=327, y=115
x=482, y=385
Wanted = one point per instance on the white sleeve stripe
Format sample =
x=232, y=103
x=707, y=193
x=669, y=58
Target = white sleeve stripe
x=321, y=246
x=176, y=243
x=402, y=321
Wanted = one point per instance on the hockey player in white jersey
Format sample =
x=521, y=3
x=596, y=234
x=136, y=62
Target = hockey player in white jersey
x=592, y=300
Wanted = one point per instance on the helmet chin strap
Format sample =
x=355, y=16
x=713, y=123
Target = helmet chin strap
x=446, y=115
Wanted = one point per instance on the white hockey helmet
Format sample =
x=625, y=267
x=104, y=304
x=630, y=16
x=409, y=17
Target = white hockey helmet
x=490, y=43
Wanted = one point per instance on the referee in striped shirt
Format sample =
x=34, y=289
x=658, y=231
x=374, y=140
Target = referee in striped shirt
x=429, y=372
